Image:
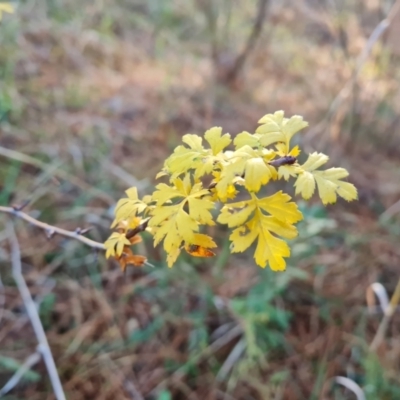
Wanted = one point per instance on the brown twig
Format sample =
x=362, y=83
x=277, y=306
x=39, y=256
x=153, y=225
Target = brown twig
x=52, y=230
x=251, y=42
x=140, y=228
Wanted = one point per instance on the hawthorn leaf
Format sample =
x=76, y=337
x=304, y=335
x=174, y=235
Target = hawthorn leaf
x=216, y=140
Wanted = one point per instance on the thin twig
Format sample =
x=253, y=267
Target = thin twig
x=351, y=385
x=231, y=360
x=389, y=311
x=140, y=228
x=22, y=370
x=43, y=346
x=51, y=230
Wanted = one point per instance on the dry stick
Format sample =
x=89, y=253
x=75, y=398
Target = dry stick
x=389, y=311
x=50, y=229
x=22, y=370
x=33, y=315
x=251, y=41
x=351, y=385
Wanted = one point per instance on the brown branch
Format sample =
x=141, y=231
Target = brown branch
x=52, y=230
x=251, y=42
x=140, y=228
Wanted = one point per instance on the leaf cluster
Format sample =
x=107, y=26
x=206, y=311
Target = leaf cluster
x=178, y=211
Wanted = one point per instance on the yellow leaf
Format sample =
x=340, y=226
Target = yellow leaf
x=258, y=173
x=162, y=230
x=165, y=193
x=133, y=223
x=242, y=238
x=235, y=214
x=347, y=191
x=199, y=210
x=295, y=152
x=329, y=182
x=128, y=207
x=193, y=141
x=246, y=139
x=200, y=239
x=254, y=224
x=276, y=128
x=251, y=163
x=292, y=126
x=183, y=159
x=161, y=174
x=115, y=244
x=186, y=225
x=173, y=255
x=270, y=137
x=305, y=185
x=280, y=207
x=273, y=250
x=172, y=223
x=276, y=118
x=161, y=214
x=132, y=193
x=279, y=227
x=286, y=171
x=217, y=141
x=314, y=161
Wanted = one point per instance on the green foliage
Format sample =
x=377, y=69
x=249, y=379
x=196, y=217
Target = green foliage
x=176, y=211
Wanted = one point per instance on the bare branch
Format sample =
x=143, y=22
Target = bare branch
x=43, y=346
x=251, y=41
x=52, y=230
x=351, y=385
x=140, y=228
x=22, y=370
x=389, y=311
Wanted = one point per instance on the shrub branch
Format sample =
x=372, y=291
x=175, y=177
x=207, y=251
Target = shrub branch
x=52, y=230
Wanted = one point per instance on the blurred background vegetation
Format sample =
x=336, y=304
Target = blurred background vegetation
x=95, y=94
